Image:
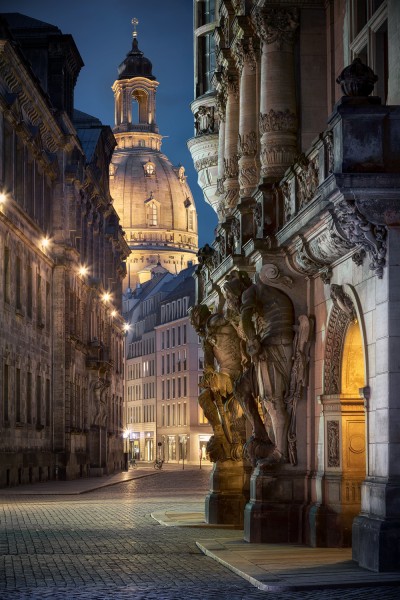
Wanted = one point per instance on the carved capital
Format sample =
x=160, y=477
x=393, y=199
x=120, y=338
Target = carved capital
x=232, y=87
x=277, y=25
x=244, y=54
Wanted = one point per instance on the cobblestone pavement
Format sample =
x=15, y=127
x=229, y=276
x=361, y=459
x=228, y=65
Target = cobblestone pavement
x=105, y=544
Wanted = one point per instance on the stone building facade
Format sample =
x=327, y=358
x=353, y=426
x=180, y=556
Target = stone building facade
x=62, y=255
x=164, y=363
x=303, y=272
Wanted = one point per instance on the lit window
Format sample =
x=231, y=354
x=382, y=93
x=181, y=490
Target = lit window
x=149, y=169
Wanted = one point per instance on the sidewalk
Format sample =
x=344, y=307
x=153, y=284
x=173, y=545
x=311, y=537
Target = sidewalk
x=281, y=567
x=77, y=486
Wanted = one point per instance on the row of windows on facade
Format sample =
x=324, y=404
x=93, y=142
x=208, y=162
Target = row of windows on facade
x=173, y=388
x=138, y=370
x=20, y=287
x=176, y=336
x=172, y=415
x=141, y=392
x=25, y=179
x=26, y=398
x=135, y=414
x=175, y=310
x=170, y=365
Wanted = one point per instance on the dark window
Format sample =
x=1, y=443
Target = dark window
x=29, y=290
x=47, y=402
x=38, y=400
x=6, y=391
x=18, y=395
x=6, y=271
x=29, y=398
x=18, y=283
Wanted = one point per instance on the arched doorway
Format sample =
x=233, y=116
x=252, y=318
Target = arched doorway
x=344, y=421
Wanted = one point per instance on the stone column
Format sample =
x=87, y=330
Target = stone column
x=221, y=109
x=248, y=135
x=278, y=118
x=231, y=169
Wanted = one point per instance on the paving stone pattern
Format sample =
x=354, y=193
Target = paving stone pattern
x=104, y=544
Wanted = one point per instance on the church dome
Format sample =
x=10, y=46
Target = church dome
x=135, y=64
x=151, y=196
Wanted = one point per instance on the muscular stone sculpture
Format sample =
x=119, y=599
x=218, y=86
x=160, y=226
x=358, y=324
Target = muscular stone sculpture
x=267, y=320
x=222, y=365
x=266, y=323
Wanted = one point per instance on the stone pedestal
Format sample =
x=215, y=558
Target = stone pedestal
x=274, y=513
x=229, y=492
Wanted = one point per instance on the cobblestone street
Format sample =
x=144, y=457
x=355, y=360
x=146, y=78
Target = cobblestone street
x=105, y=544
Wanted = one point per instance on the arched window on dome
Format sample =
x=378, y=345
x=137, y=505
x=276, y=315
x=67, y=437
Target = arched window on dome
x=152, y=211
x=149, y=168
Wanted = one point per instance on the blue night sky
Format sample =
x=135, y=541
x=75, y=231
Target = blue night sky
x=102, y=31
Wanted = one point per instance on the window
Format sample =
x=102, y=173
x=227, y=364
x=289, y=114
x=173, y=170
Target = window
x=149, y=169
x=38, y=401
x=184, y=414
x=39, y=300
x=184, y=335
x=368, y=39
x=48, y=402
x=18, y=395
x=29, y=291
x=162, y=365
x=179, y=335
x=152, y=215
x=18, y=305
x=6, y=392
x=173, y=337
x=185, y=386
x=29, y=397
x=6, y=276
x=179, y=387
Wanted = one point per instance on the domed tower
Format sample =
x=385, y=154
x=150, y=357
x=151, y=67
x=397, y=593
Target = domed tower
x=151, y=196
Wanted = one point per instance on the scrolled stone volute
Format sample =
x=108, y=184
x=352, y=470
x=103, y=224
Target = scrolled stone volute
x=357, y=79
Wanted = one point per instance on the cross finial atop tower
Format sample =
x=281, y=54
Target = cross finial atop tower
x=135, y=22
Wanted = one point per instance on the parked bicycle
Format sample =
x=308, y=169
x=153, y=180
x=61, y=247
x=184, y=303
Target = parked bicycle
x=158, y=463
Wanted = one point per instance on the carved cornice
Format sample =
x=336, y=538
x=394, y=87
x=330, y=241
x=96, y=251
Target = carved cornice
x=355, y=228
x=231, y=167
x=278, y=120
x=206, y=162
x=247, y=144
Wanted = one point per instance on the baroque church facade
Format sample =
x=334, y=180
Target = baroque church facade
x=62, y=262
x=297, y=149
